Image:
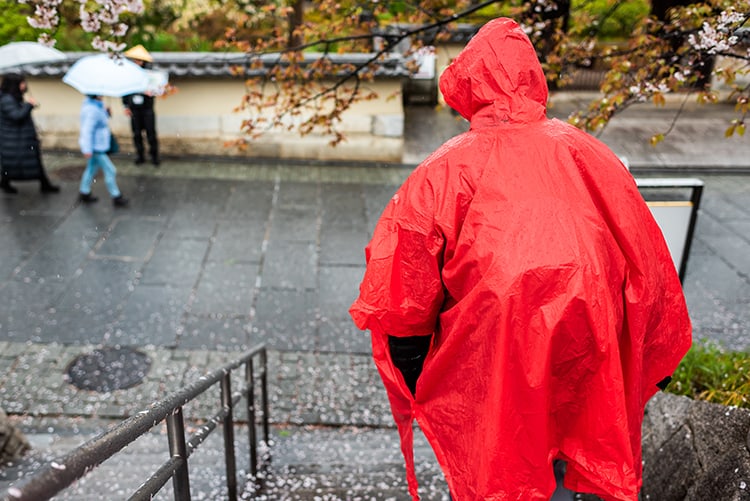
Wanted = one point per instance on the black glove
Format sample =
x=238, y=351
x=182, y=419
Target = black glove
x=662, y=385
x=408, y=354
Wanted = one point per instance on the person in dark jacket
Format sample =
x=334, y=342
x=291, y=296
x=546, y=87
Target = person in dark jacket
x=20, y=156
x=140, y=109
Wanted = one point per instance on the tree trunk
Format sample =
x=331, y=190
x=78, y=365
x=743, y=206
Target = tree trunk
x=296, y=18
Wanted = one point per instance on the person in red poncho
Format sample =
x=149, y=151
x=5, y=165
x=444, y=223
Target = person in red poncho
x=522, y=302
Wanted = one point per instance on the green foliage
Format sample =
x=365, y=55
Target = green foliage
x=72, y=38
x=68, y=35
x=711, y=373
x=396, y=8
x=608, y=19
x=154, y=25
x=14, y=27
x=167, y=42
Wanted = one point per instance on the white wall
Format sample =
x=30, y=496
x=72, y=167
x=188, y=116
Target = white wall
x=200, y=118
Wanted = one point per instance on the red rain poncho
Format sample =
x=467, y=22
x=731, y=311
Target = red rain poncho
x=526, y=248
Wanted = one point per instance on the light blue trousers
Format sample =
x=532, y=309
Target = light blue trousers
x=96, y=162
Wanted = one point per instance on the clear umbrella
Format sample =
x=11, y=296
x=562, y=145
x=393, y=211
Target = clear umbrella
x=102, y=75
x=17, y=54
x=157, y=82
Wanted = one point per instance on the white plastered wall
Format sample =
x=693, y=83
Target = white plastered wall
x=200, y=118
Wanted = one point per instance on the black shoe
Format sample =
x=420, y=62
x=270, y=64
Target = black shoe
x=87, y=198
x=156, y=162
x=140, y=161
x=120, y=201
x=7, y=188
x=49, y=188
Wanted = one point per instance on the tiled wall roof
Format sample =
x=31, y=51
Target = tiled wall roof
x=221, y=64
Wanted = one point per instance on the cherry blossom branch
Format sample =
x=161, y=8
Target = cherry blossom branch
x=101, y=18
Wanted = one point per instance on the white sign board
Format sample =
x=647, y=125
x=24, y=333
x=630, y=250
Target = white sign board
x=674, y=220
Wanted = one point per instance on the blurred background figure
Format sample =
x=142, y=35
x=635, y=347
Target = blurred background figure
x=20, y=154
x=95, y=141
x=140, y=109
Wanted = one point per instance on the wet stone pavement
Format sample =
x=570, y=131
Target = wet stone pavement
x=214, y=257
x=209, y=260
x=193, y=263
x=194, y=271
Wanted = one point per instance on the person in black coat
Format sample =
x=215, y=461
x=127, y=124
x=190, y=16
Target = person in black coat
x=20, y=155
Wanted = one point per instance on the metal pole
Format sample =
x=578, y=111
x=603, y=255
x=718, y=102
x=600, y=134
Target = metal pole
x=264, y=394
x=231, y=466
x=178, y=450
x=252, y=433
x=695, y=199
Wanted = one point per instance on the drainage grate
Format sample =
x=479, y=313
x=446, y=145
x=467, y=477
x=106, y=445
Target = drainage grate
x=108, y=369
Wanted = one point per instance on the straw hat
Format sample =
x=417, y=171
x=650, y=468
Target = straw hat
x=140, y=53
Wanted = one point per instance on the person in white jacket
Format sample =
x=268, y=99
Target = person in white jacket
x=95, y=142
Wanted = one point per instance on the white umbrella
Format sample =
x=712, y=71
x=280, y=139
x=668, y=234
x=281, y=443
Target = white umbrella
x=17, y=54
x=157, y=82
x=102, y=75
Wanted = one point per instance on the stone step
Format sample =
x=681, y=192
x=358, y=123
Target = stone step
x=346, y=464
x=307, y=463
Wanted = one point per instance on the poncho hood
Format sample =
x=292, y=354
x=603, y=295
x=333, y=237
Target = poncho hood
x=498, y=72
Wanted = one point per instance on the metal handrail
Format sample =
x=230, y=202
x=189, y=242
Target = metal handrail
x=59, y=474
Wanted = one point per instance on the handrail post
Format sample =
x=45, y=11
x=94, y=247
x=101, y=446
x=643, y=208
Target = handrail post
x=252, y=434
x=264, y=395
x=178, y=449
x=231, y=466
